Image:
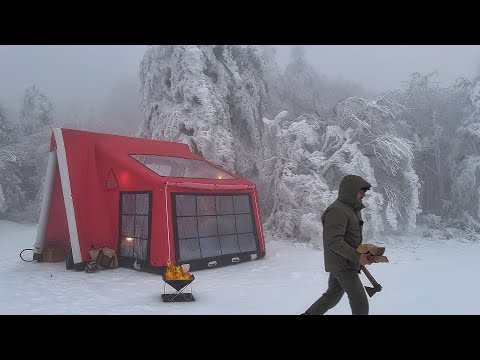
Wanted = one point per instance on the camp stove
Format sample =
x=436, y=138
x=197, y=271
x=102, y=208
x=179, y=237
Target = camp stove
x=180, y=286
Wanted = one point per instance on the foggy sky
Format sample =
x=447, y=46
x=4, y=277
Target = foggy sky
x=88, y=74
x=384, y=67
x=67, y=74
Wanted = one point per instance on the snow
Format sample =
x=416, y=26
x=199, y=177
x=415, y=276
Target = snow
x=425, y=275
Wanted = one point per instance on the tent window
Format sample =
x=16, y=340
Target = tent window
x=186, y=205
x=180, y=167
x=224, y=205
x=244, y=223
x=190, y=249
x=206, y=205
x=207, y=226
x=187, y=227
x=246, y=242
x=135, y=220
x=210, y=246
x=226, y=224
x=230, y=244
x=241, y=204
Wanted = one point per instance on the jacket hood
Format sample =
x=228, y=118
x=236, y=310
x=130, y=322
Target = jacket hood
x=349, y=187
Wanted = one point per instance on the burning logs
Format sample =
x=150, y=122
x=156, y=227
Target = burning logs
x=178, y=278
x=176, y=272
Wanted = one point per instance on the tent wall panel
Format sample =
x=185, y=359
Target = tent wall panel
x=160, y=247
x=57, y=226
x=88, y=159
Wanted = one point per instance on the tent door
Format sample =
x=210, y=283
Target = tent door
x=135, y=224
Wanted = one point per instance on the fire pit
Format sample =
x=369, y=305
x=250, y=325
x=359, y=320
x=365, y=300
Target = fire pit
x=179, y=279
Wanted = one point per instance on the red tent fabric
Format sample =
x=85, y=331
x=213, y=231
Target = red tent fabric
x=154, y=202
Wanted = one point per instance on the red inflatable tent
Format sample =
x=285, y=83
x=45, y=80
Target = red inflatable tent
x=154, y=202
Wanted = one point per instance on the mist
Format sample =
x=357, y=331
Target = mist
x=384, y=67
x=99, y=88
x=88, y=81
x=101, y=82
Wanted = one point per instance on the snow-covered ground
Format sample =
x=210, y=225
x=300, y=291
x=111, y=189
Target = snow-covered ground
x=432, y=275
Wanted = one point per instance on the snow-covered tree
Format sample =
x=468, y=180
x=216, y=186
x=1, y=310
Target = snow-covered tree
x=5, y=158
x=463, y=209
x=306, y=159
x=3, y=126
x=26, y=162
x=275, y=82
x=36, y=120
x=429, y=120
x=374, y=127
x=12, y=196
x=291, y=172
x=36, y=112
x=24, y=173
x=211, y=97
x=307, y=92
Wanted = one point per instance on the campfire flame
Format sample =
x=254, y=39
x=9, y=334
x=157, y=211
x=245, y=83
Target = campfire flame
x=175, y=272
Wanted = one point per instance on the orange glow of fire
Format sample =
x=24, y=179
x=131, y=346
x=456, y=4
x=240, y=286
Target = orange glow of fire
x=175, y=272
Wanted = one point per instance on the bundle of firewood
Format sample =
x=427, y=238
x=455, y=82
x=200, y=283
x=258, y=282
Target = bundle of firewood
x=376, y=252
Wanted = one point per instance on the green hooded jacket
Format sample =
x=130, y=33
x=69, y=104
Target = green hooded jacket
x=342, y=226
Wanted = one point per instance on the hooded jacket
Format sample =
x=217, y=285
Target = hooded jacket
x=342, y=226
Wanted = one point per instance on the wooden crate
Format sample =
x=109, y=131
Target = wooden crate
x=54, y=254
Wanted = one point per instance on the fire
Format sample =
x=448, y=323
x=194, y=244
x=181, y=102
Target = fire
x=175, y=272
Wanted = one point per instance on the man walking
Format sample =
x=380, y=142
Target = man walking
x=342, y=234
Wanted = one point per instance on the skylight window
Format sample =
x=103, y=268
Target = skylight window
x=182, y=168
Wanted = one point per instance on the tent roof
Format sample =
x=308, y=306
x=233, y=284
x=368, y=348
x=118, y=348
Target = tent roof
x=118, y=148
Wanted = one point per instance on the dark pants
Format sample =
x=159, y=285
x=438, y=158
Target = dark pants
x=339, y=283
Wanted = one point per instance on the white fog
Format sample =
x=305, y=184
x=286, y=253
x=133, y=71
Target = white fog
x=292, y=119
